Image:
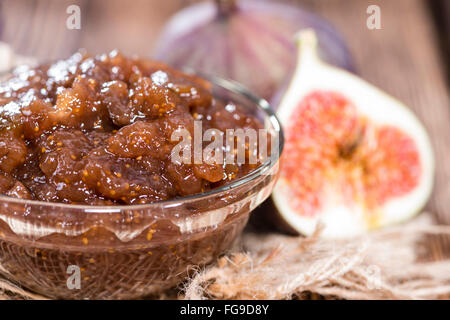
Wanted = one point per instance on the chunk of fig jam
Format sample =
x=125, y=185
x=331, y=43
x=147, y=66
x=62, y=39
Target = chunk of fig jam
x=98, y=130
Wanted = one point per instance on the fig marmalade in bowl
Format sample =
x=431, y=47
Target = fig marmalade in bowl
x=105, y=192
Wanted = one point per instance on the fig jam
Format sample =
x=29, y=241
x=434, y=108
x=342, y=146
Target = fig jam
x=97, y=130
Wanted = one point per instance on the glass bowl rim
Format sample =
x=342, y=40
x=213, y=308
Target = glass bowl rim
x=227, y=84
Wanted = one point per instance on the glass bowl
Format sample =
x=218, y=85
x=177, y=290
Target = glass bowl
x=122, y=252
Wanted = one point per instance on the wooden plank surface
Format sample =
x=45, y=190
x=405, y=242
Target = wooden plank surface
x=441, y=16
x=402, y=58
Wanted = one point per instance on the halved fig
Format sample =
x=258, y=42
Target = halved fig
x=355, y=158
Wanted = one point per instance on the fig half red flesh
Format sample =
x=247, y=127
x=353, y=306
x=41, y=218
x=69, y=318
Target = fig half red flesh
x=354, y=158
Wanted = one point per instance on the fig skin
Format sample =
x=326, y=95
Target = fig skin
x=266, y=218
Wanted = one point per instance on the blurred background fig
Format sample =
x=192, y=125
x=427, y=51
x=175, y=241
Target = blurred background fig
x=355, y=159
x=250, y=41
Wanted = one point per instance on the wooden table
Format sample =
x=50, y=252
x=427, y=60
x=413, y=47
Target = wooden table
x=407, y=57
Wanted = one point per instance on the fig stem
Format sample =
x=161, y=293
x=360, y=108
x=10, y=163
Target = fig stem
x=307, y=44
x=225, y=7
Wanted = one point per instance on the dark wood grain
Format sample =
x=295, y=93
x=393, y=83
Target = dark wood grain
x=441, y=16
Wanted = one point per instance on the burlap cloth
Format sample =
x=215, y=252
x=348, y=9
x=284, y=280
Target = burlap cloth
x=393, y=263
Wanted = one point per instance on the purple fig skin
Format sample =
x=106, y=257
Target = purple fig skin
x=267, y=218
x=252, y=44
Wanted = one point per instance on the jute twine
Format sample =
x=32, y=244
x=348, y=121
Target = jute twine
x=384, y=264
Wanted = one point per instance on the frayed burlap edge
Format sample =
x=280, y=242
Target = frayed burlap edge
x=384, y=264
